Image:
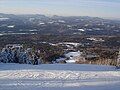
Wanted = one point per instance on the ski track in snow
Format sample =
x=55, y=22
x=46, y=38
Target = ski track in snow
x=58, y=77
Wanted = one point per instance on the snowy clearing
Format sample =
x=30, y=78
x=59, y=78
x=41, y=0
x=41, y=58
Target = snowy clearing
x=58, y=77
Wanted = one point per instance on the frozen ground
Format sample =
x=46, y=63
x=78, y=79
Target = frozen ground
x=58, y=77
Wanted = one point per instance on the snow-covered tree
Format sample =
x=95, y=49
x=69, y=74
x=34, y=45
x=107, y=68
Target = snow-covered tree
x=14, y=54
x=6, y=56
x=32, y=57
x=118, y=60
x=23, y=58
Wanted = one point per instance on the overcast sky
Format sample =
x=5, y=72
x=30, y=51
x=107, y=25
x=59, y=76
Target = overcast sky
x=99, y=8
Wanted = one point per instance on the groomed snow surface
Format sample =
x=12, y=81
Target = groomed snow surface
x=58, y=77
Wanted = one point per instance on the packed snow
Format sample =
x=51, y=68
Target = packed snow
x=3, y=19
x=72, y=56
x=58, y=77
x=11, y=26
x=81, y=30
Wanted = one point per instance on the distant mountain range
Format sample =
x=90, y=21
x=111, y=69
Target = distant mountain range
x=72, y=25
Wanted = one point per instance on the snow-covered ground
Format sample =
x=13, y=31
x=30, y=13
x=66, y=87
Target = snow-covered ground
x=58, y=77
x=72, y=56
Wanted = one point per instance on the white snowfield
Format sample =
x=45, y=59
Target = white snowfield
x=58, y=77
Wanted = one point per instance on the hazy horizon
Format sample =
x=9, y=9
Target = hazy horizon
x=94, y=8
